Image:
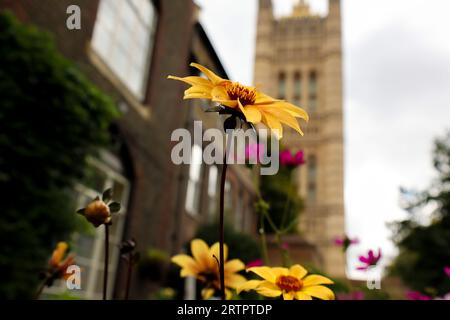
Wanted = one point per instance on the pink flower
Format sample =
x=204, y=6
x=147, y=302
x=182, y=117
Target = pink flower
x=254, y=152
x=285, y=246
x=447, y=271
x=255, y=263
x=289, y=160
x=370, y=260
x=356, y=295
x=446, y=297
x=416, y=295
x=345, y=242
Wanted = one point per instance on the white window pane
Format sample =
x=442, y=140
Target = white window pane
x=127, y=26
x=196, y=163
x=212, y=181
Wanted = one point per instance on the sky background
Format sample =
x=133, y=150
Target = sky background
x=396, y=100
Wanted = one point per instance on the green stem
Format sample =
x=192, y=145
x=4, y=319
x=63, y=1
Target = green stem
x=221, y=226
x=105, y=274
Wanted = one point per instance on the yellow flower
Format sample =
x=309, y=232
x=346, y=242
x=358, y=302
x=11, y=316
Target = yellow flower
x=252, y=105
x=57, y=264
x=204, y=266
x=291, y=283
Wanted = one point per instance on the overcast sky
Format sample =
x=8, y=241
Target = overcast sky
x=397, y=96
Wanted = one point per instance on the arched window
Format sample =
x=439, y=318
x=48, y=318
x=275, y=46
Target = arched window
x=312, y=179
x=312, y=91
x=282, y=85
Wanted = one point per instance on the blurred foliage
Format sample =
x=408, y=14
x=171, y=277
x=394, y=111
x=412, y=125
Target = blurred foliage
x=240, y=245
x=153, y=264
x=424, y=248
x=51, y=118
x=281, y=194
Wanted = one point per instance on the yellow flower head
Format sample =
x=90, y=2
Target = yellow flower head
x=291, y=283
x=249, y=103
x=204, y=266
x=57, y=264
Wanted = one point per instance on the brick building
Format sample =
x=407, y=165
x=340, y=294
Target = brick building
x=128, y=48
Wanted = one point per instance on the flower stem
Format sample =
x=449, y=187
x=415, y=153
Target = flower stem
x=221, y=226
x=129, y=271
x=40, y=289
x=105, y=275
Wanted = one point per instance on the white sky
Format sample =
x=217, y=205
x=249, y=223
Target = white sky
x=397, y=96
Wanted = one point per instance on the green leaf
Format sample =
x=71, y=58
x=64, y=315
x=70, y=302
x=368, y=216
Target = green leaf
x=114, y=207
x=107, y=195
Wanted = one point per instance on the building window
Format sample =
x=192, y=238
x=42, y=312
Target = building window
x=297, y=88
x=194, y=184
x=123, y=37
x=88, y=245
x=282, y=85
x=212, y=193
x=228, y=199
x=312, y=94
x=312, y=179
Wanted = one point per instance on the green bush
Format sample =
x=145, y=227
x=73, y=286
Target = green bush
x=51, y=118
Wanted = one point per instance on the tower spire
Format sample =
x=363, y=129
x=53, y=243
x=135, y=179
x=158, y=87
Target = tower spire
x=301, y=9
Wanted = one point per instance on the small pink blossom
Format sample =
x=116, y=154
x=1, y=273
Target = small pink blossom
x=370, y=260
x=254, y=152
x=289, y=160
x=255, y=263
x=416, y=295
x=285, y=246
x=447, y=271
x=345, y=242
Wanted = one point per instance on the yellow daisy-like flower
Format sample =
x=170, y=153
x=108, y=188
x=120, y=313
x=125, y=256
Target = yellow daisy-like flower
x=291, y=283
x=252, y=105
x=57, y=264
x=204, y=266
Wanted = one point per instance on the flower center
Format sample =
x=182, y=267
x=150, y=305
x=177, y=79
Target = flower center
x=247, y=95
x=289, y=283
x=209, y=276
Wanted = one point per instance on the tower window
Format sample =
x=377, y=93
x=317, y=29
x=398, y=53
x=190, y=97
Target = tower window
x=282, y=85
x=312, y=101
x=297, y=87
x=312, y=179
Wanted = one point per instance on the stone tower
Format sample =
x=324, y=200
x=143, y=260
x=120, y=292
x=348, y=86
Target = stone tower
x=299, y=58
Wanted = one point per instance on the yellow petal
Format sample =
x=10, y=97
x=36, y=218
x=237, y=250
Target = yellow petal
x=200, y=252
x=262, y=99
x=215, y=252
x=265, y=273
x=284, y=117
x=273, y=124
x=215, y=79
x=207, y=293
x=188, y=265
x=249, y=285
x=234, y=265
x=251, y=113
x=198, y=89
x=288, y=295
x=234, y=280
x=193, y=81
x=196, y=96
x=268, y=289
x=58, y=254
x=314, y=280
x=302, y=296
x=228, y=294
x=320, y=292
x=297, y=271
x=294, y=110
x=279, y=271
x=220, y=95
